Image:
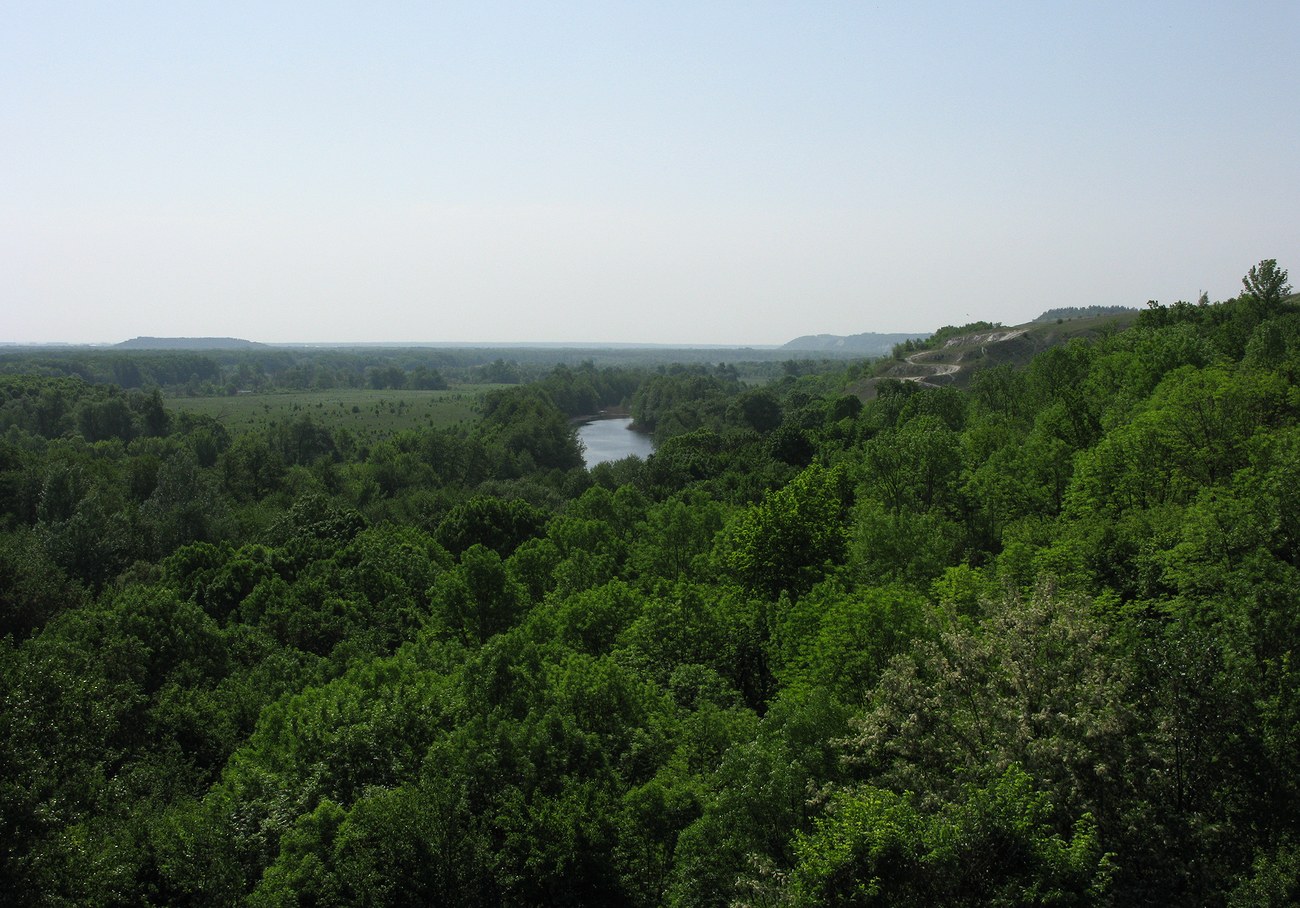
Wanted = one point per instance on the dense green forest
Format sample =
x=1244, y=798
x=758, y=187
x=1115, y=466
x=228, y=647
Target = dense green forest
x=1030, y=643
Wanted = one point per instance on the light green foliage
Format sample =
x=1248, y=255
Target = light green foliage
x=532, y=565
x=840, y=642
x=909, y=493
x=1274, y=881
x=1037, y=683
x=905, y=546
x=998, y=845
x=913, y=468
x=592, y=620
x=965, y=592
x=1266, y=284
x=1059, y=376
x=679, y=629
x=591, y=549
x=1015, y=475
x=1126, y=500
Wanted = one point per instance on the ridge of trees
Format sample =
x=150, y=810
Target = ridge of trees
x=1073, y=312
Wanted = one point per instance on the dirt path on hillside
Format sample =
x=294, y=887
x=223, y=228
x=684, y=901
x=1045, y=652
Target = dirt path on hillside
x=935, y=369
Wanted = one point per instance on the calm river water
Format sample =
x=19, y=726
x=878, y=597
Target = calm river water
x=611, y=439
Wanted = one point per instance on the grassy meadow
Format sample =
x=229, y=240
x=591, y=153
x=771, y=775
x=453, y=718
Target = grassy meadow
x=364, y=412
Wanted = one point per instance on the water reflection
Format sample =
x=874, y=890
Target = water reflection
x=604, y=440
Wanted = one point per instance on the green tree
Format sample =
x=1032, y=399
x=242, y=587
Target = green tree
x=478, y=598
x=914, y=467
x=1267, y=285
x=675, y=536
x=997, y=845
x=757, y=798
x=840, y=642
x=760, y=410
x=789, y=540
x=252, y=468
x=1039, y=683
x=499, y=524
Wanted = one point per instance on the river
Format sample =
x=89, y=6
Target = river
x=604, y=440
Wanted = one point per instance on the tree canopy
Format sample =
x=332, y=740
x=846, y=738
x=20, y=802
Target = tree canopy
x=1029, y=643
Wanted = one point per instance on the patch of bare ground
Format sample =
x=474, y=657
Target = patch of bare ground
x=953, y=363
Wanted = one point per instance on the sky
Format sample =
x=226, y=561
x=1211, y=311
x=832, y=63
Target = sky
x=694, y=173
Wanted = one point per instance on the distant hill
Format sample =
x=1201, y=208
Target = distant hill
x=187, y=343
x=1073, y=312
x=868, y=344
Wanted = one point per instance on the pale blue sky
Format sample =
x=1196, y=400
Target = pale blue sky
x=658, y=172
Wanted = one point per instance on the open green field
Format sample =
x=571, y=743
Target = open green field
x=364, y=412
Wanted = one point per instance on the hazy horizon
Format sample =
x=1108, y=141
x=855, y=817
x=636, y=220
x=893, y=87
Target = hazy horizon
x=677, y=174
x=573, y=344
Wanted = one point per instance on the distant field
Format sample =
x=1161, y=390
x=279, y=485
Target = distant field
x=368, y=414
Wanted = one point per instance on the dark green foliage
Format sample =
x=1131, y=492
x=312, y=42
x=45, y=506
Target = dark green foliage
x=758, y=796
x=760, y=410
x=1069, y=312
x=499, y=525
x=479, y=598
x=683, y=401
x=32, y=589
x=527, y=424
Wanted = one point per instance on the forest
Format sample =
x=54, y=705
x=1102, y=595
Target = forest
x=1030, y=638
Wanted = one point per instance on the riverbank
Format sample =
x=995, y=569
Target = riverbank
x=606, y=413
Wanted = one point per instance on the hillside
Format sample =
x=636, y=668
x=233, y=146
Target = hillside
x=955, y=360
x=187, y=343
x=868, y=344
